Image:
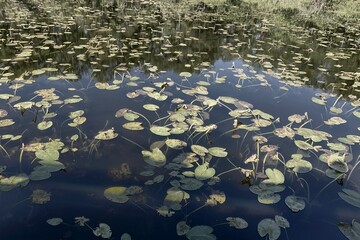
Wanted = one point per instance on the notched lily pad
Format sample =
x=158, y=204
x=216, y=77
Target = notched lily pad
x=269, y=227
x=155, y=158
x=295, y=203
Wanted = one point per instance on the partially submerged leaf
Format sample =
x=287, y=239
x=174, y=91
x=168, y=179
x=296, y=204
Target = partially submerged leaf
x=201, y=232
x=350, y=196
x=54, y=221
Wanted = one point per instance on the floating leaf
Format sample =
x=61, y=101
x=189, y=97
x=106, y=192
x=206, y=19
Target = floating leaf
x=295, y=203
x=116, y=194
x=151, y=107
x=44, y=125
x=268, y=197
x=134, y=126
x=23, y=105
x=54, y=221
x=350, y=196
x=125, y=236
x=6, y=122
x=191, y=184
x=318, y=101
x=335, y=121
x=160, y=131
x=351, y=231
x=203, y=172
x=182, y=228
x=299, y=165
x=155, y=158
x=199, y=150
x=175, y=143
x=49, y=154
x=303, y=145
x=237, y=222
x=282, y=222
x=274, y=176
x=201, y=232
x=218, y=151
x=103, y=230
x=106, y=135
x=269, y=227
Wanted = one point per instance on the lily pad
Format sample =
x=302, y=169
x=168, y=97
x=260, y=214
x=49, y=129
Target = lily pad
x=134, y=126
x=182, y=228
x=116, y=194
x=269, y=227
x=350, y=196
x=299, y=165
x=106, y=135
x=175, y=143
x=274, y=176
x=295, y=203
x=54, y=221
x=44, y=125
x=201, y=232
x=203, y=172
x=218, y=152
x=155, y=158
x=237, y=222
x=199, y=150
x=351, y=231
x=160, y=131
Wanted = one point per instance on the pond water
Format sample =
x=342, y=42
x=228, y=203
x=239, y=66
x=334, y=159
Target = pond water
x=174, y=126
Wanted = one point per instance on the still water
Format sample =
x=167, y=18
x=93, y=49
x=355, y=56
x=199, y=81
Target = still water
x=90, y=97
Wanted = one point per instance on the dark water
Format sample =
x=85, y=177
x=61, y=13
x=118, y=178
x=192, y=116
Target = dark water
x=233, y=58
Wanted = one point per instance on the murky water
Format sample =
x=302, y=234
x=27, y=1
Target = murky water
x=211, y=84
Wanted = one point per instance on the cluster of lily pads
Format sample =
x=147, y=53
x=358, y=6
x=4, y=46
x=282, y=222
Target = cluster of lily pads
x=187, y=155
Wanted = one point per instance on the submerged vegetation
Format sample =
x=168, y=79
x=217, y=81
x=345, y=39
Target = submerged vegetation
x=169, y=120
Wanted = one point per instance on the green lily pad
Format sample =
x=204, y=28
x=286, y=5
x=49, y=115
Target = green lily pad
x=175, y=143
x=182, y=228
x=269, y=227
x=218, y=152
x=6, y=122
x=282, y=222
x=155, y=158
x=106, y=135
x=303, y=145
x=351, y=231
x=44, y=125
x=23, y=105
x=191, y=184
x=203, y=172
x=48, y=154
x=151, y=107
x=299, y=165
x=116, y=194
x=295, y=203
x=268, y=197
x=237, y=222
x=350, y=196
x=134, y=126
x=160, y=131
x=201, y=232
x=125, y=236
x=274, y=176
x=54, y=221
x=199, y=150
